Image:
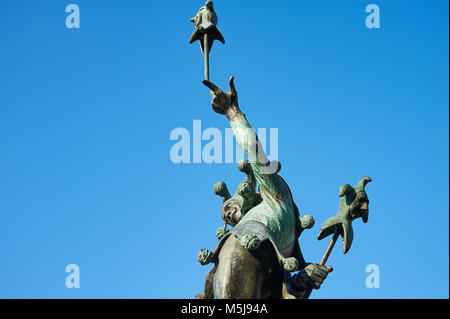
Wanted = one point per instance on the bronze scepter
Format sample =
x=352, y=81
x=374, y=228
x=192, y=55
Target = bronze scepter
x=354, y=204
x=206, y=31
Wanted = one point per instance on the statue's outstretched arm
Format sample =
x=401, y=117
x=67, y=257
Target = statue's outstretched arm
x=227, y=103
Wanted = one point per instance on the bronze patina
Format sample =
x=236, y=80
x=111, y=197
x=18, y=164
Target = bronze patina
x=260, y=255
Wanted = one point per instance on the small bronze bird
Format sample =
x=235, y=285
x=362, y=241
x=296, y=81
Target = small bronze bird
x=206, y=23
x=354, y=204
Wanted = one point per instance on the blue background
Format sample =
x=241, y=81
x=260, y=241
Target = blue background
x=86, y=115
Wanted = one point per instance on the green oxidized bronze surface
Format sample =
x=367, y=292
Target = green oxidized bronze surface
x=354, y=204
x=255, y=258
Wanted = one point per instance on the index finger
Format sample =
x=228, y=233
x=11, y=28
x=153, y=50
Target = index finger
x=212, y=86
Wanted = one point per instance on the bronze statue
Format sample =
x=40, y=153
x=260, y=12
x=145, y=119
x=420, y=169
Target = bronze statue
x=256, y=257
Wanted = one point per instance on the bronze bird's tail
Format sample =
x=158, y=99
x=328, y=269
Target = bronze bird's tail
x=343, y=226
x=213, y=34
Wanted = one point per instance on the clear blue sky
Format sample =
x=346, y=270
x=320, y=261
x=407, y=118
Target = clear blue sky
x=86, y=115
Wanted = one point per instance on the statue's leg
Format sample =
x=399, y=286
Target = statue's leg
x=208, y=292
x=239, y=274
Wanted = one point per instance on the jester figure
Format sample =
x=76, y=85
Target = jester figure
x=256, y=257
